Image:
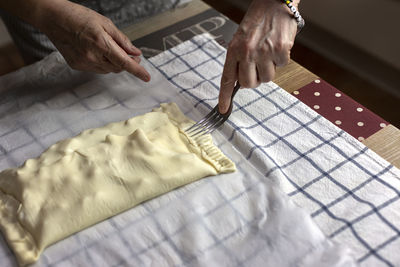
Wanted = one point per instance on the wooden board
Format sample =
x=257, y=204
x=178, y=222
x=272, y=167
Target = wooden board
x=293, y=76
x=386, y=143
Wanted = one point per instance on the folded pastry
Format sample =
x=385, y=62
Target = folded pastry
x=99, y=173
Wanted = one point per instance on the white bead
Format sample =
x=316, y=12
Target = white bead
x=293, y=9
x=290, y=5
x=296, y=14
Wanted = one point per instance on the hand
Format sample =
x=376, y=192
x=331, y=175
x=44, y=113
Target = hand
x=89, y=41
x=262, y=42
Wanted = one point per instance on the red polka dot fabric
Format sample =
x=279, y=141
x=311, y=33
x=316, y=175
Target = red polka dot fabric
x=340, y=109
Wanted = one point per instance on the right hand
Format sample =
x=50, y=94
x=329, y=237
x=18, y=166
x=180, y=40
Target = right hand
x=89, y=41
x=263, y=41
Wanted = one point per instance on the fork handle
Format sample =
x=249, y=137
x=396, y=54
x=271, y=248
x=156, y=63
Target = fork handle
x=235, y=89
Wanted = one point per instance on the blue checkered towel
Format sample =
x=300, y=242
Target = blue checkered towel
x=351, y=192
x=238, y=219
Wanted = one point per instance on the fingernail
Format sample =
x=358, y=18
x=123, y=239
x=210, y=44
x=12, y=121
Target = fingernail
x=136, y=50
x=137, y=59
x=146, y=78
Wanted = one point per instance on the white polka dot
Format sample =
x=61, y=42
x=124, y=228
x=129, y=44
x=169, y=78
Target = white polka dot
x=382, y=125
x=360, y=138
x=338, y=122
x=338, y=94
x=317, y=81
x=316, y=107
x=317, y=94
x=296, y=92
x=359, y=109
x=338, y=108
x=360, y=123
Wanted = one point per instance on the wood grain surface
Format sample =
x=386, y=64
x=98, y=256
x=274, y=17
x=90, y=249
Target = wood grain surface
x=385, y=142
x=293, y=76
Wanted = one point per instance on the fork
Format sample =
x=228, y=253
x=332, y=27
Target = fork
x=213, y=120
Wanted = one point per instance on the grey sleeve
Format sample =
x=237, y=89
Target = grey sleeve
x=35, y=45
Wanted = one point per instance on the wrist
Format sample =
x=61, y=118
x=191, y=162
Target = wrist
x=295, y=13
x=296, y=3
x=46, y=13
x=259, y=11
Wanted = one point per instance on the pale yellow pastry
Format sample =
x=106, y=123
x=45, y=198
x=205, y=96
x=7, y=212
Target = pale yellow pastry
x=99, y=173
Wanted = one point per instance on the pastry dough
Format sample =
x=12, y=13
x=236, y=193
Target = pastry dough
x=99, y=173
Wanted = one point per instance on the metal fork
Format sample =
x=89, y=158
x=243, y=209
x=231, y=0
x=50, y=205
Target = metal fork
x=212, y=120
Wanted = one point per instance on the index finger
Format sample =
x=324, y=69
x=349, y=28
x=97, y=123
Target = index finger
x=228, y=80
x=121, y=59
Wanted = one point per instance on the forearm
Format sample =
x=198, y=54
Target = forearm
x=33, y=12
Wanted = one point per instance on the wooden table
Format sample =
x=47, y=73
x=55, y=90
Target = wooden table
x=385, y=142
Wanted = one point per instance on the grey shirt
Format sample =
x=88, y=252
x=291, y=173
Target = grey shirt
x=34, y=45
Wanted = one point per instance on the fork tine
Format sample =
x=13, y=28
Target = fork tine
x=204, y=127
x=212, y=120
x=202, y=121
x=215, y=126
x=207, y=128
x=201, y=126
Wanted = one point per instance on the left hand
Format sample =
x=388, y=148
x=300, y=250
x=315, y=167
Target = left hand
x=87, y=40
x=262, y=42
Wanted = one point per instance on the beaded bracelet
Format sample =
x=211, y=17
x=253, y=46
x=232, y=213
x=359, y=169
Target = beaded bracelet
x=296, y=14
